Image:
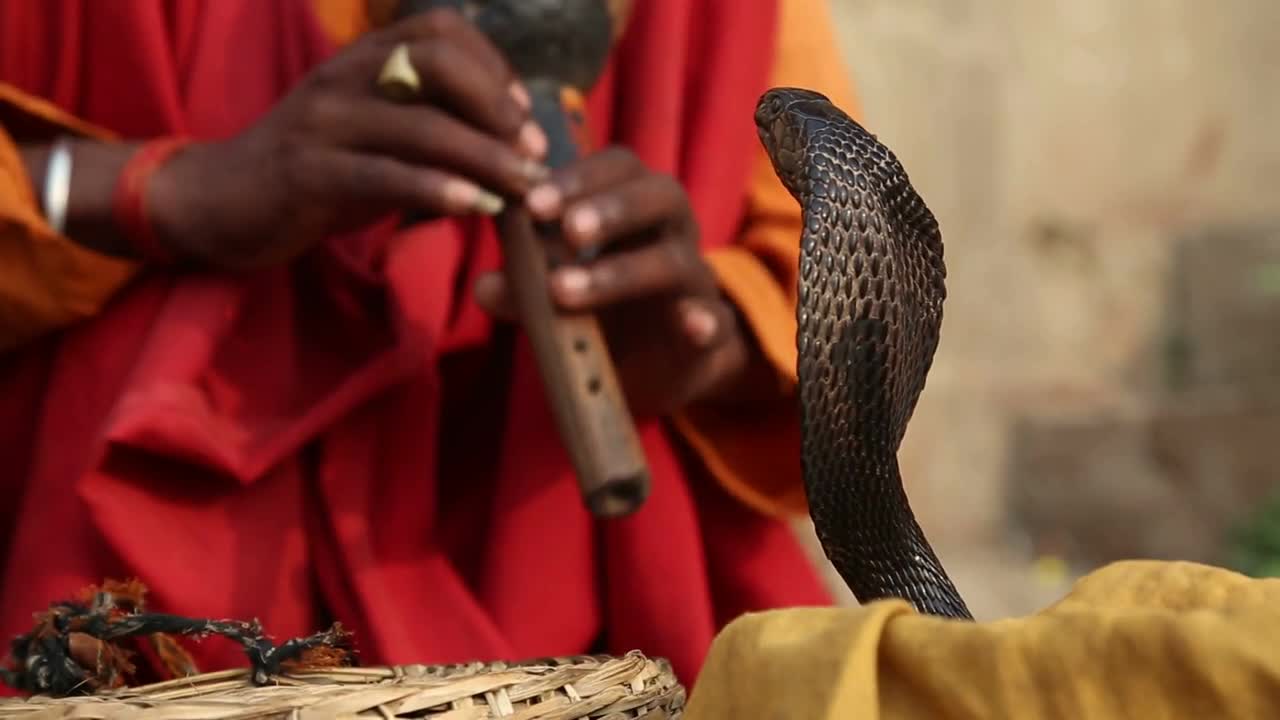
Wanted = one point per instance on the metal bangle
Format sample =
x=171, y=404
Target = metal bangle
x=57, y=185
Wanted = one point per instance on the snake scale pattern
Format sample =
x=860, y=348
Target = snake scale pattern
x=872, y=284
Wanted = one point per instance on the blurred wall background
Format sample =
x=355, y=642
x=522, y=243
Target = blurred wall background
x=1107, y=177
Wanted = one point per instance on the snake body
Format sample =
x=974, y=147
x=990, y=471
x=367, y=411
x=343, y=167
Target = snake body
x=871, y=289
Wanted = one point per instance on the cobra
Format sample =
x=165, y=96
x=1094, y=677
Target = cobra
x=871, y=290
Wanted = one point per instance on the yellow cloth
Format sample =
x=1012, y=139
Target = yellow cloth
x=1140, y=639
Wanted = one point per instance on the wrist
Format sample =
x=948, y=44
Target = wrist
x=95, y=166
x=205, y=208
x=148, y=200
x=170, y=210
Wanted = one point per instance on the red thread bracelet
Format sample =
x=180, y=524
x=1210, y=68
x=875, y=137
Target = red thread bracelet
x=130, y=202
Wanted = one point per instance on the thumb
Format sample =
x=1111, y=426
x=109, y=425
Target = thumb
x=492, y=296
x=699, y=322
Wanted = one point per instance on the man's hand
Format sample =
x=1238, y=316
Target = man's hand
x=674, y=337
x=335, y=154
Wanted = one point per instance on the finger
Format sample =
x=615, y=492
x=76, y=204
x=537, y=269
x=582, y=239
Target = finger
x=651, y=203
x=590, y=175
x=420, y=34
x=660, y=268
x=427, y=136
x=452, y=78
x=458, y=66
x=492, y=296
x=386, y=182
x=702, y=323
x=447, y=23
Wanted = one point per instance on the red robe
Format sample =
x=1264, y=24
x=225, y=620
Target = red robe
x=351, y=432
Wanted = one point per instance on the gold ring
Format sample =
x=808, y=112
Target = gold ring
x=398, y=80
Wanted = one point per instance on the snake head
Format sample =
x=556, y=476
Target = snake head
x=787, y=120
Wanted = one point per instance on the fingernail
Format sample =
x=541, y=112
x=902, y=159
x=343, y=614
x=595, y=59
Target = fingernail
x=459, y=194
x=700, y=324
x=488, y=282
x=488, y=288
x=535, y=171
x=521, y=95
x=486, y=203
x=585, y=222
x=532, y=140
x=573, y=281
x=544, y=200
x=466, y=196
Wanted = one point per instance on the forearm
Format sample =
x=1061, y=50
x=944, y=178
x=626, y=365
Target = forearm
x=95, y=168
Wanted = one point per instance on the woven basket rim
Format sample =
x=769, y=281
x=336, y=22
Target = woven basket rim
x=550, y=688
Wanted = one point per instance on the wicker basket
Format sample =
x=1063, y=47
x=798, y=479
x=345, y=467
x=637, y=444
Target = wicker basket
x=606, y=688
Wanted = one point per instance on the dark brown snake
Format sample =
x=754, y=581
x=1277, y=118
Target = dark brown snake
x=871, y=292
x=870, y=310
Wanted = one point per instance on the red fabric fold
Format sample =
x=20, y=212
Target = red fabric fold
x=351, y=435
